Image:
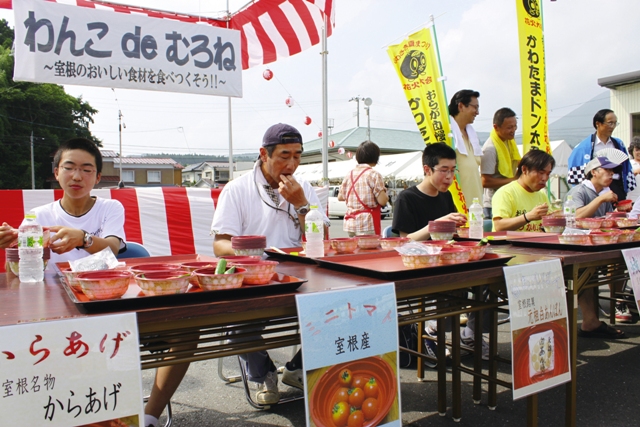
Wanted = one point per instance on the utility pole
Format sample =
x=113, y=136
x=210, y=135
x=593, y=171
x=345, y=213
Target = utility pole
x=121, y=183
x=33, y=174
x=367, y=105
x=357, y=99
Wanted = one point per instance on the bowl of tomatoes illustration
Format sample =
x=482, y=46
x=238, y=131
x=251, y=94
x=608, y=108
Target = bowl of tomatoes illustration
x=359, y=393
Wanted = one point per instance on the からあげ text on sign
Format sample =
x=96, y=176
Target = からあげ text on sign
x=70, y=372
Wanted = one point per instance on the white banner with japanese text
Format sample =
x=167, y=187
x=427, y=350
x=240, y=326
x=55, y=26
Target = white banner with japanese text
x=71, y=372
x=350, y=356
x=539, y=326
x=632, y=259
x=62, y=44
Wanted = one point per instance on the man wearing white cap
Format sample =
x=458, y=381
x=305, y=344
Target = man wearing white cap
x=594, y=198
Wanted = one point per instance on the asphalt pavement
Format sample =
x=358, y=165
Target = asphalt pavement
x=607, y=391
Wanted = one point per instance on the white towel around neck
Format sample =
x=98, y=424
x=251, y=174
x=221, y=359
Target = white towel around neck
x=473, y=138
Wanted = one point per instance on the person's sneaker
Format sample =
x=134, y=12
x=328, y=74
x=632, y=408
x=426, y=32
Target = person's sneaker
x=468, y=341
x=268, y=393
x=623, y=315
x=431, y=348
x=293, y=378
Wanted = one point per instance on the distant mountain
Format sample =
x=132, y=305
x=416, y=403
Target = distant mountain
x=575, y=126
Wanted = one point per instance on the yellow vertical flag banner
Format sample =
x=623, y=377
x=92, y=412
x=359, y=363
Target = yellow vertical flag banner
x=535, y=126
x=416, y=62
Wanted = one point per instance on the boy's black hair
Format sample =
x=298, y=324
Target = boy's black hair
x=434, y=152
x=79, y=144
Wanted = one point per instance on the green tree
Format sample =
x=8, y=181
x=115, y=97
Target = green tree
x=45, y=110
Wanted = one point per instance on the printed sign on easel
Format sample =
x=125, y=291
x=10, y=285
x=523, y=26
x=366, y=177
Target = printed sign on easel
x=350, y=356
x=539, y=327
x=632, y=259
x=72, y=372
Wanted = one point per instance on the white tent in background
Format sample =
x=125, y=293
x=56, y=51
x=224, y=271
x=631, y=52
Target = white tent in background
x=560, y=150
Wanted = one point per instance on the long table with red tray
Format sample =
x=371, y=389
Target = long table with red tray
x=205, y=322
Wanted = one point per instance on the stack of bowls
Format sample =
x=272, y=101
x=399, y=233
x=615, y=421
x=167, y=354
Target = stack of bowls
x=368, y=241
x=258, y=272
x=388, y=243
x=554, y=224
x=477, y=251
x=249, y=245
x=13, y=259
x=104, y=284
x=442, y=229
x=166, y=282
x=455, y=255
x=624, y=206
x=209, y=280
x=344, y=245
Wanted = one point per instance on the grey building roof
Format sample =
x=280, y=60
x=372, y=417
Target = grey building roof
x=389, y=140
x=612, y=82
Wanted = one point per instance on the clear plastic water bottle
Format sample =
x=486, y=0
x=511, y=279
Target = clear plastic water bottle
x=476, y=222
x=30, y=249
x=570, y=212
x=314, y=231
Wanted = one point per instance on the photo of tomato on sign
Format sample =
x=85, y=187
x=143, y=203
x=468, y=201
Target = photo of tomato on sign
x=357, y=393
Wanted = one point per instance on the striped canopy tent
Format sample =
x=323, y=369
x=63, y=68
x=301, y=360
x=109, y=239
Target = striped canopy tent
x=269, y=29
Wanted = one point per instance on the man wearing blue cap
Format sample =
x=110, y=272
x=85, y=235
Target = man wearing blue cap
x=270, y=202
x=594, y=198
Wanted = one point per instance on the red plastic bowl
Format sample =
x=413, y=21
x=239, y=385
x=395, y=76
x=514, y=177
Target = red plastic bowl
x=104, y=284
x=147, y=268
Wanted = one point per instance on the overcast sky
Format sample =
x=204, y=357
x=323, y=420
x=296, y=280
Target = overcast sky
x=585, y=40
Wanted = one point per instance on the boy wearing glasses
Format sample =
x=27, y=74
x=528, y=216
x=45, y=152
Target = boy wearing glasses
x=430, y=199
x=78, y=220
x=604, y=122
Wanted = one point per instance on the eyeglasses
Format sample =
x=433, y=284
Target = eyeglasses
x=446, y=172
x=476, y=106
x=612, y=124
x=82, y=170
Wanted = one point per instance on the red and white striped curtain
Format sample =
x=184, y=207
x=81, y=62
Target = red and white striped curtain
x=270, y=29
x=166, y=220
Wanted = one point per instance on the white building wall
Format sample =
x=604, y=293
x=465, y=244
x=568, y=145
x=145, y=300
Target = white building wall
x=625, y=101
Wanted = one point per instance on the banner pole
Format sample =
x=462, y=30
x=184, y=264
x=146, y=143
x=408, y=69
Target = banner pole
x=435, y=42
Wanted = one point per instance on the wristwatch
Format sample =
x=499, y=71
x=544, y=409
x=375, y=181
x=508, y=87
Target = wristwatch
x=87, y=240
x=303, y=210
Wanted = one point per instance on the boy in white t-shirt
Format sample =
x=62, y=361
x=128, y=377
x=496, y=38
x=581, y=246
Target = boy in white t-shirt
x=79, y=223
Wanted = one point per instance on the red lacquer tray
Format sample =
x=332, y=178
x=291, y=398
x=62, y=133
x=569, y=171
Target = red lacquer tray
x=388, y=265
x=552, y=242
x=504, y=237
x=294, y=254
x=135, y=299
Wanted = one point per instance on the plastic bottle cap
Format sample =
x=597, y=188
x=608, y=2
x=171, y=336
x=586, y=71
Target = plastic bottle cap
x=30, y=215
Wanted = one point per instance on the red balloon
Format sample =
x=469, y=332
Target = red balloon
x=332, y=144
x=267, y=74
x=289, y=102
x=320, y=134
x=307, y=120
x=349, y=154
